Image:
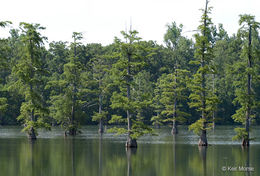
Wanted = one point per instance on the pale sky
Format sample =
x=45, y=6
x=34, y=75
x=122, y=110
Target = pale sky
x=101, y=20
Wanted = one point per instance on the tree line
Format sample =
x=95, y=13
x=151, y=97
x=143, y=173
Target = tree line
x=213, y=80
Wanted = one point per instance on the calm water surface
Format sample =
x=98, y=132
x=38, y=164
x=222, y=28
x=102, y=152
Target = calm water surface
x=91, y=155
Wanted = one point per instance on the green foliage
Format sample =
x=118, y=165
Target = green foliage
x=173, y=88
x=99, y=116
x=241, y=133
x=139, y=129
x=198, y=126
x=157, y=120
x=3, y=104
x=117, y=130
x=117, y=119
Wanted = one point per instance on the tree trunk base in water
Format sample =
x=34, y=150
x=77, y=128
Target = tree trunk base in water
x=174, y=130
x=245, y=143
x=203, y=138
x=101, y=130
x=72, y=132
x=31, y=134
x=131, y=143
x=203, y=143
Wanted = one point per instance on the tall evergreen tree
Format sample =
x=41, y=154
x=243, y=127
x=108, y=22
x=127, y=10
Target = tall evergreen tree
x=67, y=92
x=100, y=70
x=246, y=74
x=28, y=79
x=173, y=85
x=124, y=70
x=201, y=96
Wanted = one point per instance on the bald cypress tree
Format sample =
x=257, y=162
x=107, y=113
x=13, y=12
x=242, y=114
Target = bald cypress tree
x=131, y=60
x=245, y=74
x=28, y=79
x=68, y=91
x=202, y=98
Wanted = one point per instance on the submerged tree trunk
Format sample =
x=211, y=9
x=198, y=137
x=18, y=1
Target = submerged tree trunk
x=245, y=141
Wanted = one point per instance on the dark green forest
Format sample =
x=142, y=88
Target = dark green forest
x=210, y=79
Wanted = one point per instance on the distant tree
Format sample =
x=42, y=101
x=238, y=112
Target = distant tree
x=100, y=70
x=28, y=74
x=202, y=98
x=173, y=93
x=246, y=75
x=57, y=57
x=173, y=85
x=67, y=96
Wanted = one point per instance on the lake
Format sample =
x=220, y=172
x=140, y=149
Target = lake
x=91, y=155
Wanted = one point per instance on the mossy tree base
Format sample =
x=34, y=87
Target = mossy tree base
x=32, y=134
x=73, y=132
x=245, y=143
x=203, y=139
x=131, y=143
x=203, y=143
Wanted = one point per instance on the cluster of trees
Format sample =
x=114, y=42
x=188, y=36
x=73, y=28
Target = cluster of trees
x=212, y=80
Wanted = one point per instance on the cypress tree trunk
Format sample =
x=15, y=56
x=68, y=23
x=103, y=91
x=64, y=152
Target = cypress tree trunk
x=31, y=132
x=245, y=141
x=214, y=113
x=101, y=127
x=130, y=143
x=72, y=129
x=174, y=122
